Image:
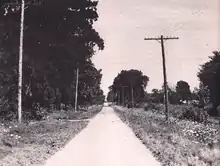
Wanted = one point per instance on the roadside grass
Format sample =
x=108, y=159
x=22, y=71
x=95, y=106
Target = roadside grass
x=176, y=143
x=33, y=143
x=177, y=111
x=80, y=114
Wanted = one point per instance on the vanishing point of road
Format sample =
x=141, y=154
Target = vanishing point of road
x=106, y=141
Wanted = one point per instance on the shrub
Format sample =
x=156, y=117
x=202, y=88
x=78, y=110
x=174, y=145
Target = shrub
x=137, y=105
x=7, y=109
x=150, y=106
x=129, y=105
x=194, y=114
x=218, y=110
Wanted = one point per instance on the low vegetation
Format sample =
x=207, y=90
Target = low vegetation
x=34, y=142
x=179, y=142
x=188, y=112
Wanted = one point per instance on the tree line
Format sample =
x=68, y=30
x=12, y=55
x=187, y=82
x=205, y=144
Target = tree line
x=208, y=91
x=127, y=86
x=58, y=38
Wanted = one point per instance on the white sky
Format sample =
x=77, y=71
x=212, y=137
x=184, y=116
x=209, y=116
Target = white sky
x=123, y=24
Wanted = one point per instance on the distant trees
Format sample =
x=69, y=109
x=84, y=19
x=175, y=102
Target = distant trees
x=157, y=96
x=110, y=96
x=183, y=90
x=128, y=84
x=173, y=96
x=209, y=75
x=195, y=94
x=58, y=38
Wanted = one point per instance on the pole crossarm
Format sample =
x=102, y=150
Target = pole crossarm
x=159, y=38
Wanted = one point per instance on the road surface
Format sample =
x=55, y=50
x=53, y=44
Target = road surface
x=106, y=141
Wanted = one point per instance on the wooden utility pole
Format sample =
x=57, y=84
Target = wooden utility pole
x=20, y=63
x=132, y=97
x=77, y=82
x=123, y=95
x=161, y=40
x=118, y=97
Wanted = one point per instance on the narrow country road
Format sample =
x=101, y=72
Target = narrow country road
x=106, y=141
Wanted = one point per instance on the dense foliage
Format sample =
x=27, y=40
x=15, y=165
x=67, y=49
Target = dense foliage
x=126, y=83
x=110, y=96
x=183, y=90
x=209, y=75
x=58, y=37
x=157, y=95
x=175, y=94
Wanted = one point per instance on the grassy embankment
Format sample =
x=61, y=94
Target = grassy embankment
x=35, y=142
x=177, y=143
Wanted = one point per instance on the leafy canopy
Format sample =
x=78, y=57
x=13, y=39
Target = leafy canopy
x=129, y=79
x=58, y=37
x=209, y=75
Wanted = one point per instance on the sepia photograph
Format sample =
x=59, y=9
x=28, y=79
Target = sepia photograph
x=109, y=83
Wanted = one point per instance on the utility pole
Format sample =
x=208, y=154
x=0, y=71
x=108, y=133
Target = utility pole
x=118, y=97
x=77, y=82
x=20, y=64
x=161, y=41
x=123, y=95
x=132, y=97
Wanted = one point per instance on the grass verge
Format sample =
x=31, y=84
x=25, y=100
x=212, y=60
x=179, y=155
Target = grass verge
x=177, y=143
x=33, y=143
x=81, y=114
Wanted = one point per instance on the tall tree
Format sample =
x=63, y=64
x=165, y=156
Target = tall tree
x=157, y=96
x=195, y=94
x=129, y=83
x=58, y=35
x=183, y=90
x=89, y=85
x=209, y=75
x=110, y=96
x=173, y=95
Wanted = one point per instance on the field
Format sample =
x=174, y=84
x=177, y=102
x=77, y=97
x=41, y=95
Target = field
x=176, y=143
x=33, y=143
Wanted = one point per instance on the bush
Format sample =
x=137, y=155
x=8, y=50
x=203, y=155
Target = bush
x=137, y=104
x=194, y=114
x=129, y=104
x=58, y=115
x=218, y=110
x=7, y=109
x=150, y=106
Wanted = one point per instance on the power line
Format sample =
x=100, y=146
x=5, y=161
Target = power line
x=161, y=41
